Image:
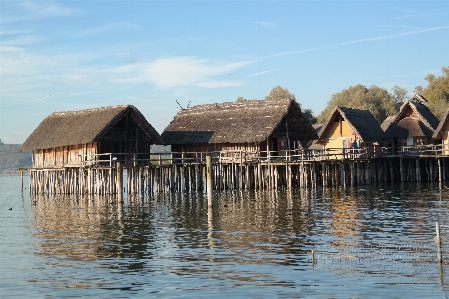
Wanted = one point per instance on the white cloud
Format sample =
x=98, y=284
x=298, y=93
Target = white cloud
x=265, y=24
x=261, y=73
x=188, y=71
x=13, y=32
x=385, y=37
x=164, y=73
x=48, y=9
x=108, y=27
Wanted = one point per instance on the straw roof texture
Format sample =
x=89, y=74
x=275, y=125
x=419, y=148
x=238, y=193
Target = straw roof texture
x=439, y=130
x=243, y=122
x=408, y=127
x=84, y=126
x=420, y=121
x=362, y=122
x=387, y=122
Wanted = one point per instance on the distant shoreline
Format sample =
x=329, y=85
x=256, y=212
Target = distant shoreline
x=25, y=173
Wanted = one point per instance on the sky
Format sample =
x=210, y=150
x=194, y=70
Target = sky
x=163, y=55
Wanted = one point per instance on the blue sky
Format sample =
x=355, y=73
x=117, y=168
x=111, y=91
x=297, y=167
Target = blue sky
x=72, y=55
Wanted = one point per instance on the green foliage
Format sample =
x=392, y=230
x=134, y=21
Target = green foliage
x=400, y=96
x=374, y=99
x=279, y=93
x=11, y=158
x=155, y=148
x=437, y=92
x=240, y=99
x=308, y=113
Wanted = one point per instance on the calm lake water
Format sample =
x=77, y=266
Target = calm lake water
x=367, y=242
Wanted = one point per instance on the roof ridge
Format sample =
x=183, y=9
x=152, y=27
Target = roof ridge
x=88, y=110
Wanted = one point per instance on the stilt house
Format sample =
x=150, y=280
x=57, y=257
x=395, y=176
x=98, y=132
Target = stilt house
x=251, y=126
x=346, y=126
x=442, y=133
x=69, y=139
x=414, y=125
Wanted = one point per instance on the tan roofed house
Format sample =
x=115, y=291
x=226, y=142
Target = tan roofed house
x=442, y=133
x=414, y=125
x=348, y=128
x=64, y=139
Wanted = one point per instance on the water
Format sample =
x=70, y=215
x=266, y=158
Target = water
x=367, y=242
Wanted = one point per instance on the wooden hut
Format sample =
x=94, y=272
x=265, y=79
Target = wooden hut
x=69, y=139
x=414, y=125
x=442, y=133
x=348, y=128
x=249, y=126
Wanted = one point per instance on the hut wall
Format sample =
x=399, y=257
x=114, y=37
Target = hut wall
x=339, y=136
x=64, y=156
x=445, y=138
x=416, y=141
x=215, y=147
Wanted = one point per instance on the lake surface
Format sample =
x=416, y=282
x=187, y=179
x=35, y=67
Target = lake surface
x=366, y=241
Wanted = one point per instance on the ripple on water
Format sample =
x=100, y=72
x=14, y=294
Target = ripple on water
x=253, y=244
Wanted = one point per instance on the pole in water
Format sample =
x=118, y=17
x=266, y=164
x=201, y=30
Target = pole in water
x=438, y=242
x=119, y=174
x=313, y=259
x=209, y=180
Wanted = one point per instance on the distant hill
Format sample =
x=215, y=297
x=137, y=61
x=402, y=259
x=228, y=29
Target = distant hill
x=161, y=149
x=11, y=158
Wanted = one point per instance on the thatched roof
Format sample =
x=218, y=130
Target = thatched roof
x=387, y=122
x=317, y=127
x=362, y=122
x=438, y=131
x=248, y=121
x=84, y=126
x=413, y=116
x=408, y=127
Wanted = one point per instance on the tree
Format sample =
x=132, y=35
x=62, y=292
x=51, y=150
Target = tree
x=308, y=113
x=374, y=99
x=437, y=92
x=419, y=89
x=240, y=99
x=279, y=93
x=400, y=96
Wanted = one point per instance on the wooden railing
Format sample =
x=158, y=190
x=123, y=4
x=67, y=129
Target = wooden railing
x=425, y=150
x=243, y=157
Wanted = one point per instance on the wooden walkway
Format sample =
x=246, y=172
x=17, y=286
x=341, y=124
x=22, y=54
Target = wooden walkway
x=186, y=172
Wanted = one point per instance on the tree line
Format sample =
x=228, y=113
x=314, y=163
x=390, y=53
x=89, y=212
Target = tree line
x=11, y=158
x=379, y=101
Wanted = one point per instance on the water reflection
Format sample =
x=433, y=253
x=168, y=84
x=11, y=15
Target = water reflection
x=248, y=236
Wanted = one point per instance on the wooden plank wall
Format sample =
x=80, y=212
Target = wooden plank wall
x=64, y=156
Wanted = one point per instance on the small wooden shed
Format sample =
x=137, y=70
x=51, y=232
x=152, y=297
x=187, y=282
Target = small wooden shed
x=346, y=125
x=65, y=139
x=251, y=126
x=414, y=125
x=442, y=133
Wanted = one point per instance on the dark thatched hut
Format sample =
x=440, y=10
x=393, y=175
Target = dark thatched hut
x=414, y=125
x=442, y=133
x=346, y=125
x=64, y=139
x=251, y=126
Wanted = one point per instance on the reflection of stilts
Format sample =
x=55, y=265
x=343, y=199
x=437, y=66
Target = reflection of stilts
x=438, y=242
x=313, y=260
x=209, y=180
x=210, y=227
